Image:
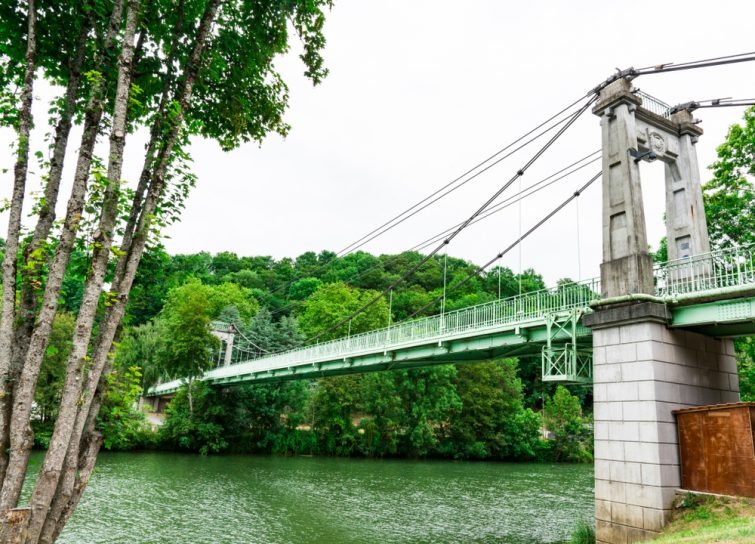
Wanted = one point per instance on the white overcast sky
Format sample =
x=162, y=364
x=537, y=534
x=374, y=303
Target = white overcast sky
x=418, y=92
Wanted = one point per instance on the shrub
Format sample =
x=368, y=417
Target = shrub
x=583, y=533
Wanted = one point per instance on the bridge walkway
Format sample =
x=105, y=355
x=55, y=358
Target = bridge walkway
x=712, y=293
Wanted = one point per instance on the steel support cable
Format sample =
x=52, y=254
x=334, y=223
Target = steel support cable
x=475, y=167
x=398, y=219
x=497, y=208
x=471, y=218
x=579, y=244
x=377, y=233
x=703, y=63
x=518, y=241
x=536, y=188
x=693, y=105
x=249, y=341
x=385, y=227
x=632, y=73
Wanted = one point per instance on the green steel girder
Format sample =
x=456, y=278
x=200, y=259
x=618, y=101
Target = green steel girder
x=731, y=317
x=734, y=317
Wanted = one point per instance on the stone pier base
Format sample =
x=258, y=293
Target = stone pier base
x=642, y=371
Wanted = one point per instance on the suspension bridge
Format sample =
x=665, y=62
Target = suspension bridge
x=650, y=338
x=544, y=324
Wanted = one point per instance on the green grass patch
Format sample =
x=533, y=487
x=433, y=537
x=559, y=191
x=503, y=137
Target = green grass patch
x=706, y=519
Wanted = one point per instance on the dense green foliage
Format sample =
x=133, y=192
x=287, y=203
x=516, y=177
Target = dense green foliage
x=583, y=533
x=407, y=413
x=470, y=411
x=730, y=195
x=572, y=440
x=490, y=410
x=730, y=211
x=51, y=377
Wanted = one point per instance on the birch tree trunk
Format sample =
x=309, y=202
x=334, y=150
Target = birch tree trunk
x=20, y=170
x=23, y=395
x=154, y=139
x=46, y=214
x=49, y=475
x=84, y=440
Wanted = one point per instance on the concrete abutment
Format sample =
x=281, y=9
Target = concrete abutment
x=642, y=369
x=642, y=372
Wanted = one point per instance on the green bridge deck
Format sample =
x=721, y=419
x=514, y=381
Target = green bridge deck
x=712, y=293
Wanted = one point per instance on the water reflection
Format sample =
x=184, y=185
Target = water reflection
x=141, y=498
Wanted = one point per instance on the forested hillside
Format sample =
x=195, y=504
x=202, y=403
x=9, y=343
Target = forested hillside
x=485, y=410
x=495, y=409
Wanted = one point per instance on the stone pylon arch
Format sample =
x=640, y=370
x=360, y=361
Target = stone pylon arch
x=635, y=128
x=642, y=369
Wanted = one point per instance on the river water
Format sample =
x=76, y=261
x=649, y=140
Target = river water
x=140, y=498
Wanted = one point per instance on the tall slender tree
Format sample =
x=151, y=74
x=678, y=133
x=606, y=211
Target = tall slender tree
x=176, y=68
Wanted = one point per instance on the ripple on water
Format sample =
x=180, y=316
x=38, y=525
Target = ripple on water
x=152, y=498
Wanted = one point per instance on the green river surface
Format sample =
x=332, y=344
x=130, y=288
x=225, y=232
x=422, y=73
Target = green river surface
x=140, y=498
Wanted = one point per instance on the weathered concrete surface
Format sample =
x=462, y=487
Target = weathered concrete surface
x=642, y=372
x=628, y=129
x=625, y=247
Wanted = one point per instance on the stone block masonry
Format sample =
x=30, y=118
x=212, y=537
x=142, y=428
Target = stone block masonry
x=642, y=372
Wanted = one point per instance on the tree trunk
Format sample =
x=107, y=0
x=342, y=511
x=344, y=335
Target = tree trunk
x=83, y=438
x=46, y=214
x=83, y=470
x=8, y=311
x=154, y=139
x=33, y=262
x=49, y=475
x=76, y=467
x=20, y=426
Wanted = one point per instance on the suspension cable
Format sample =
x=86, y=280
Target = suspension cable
x=475, y=167
x=497, y=208
x=519, y=215
x=481, y=268
x=238, y=330
x=464, y=225
x=631, y=73
x=713, y=103
x=445, y=275
x=436, y=195
x=379, y=232
x=579, y=245
x=703, y=63
x=499, y=279
x=535, y=188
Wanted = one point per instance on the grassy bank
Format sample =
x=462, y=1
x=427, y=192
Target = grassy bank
x=697, y=519
x=702, y=519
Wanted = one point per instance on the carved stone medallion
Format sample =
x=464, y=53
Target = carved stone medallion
x=657, y=143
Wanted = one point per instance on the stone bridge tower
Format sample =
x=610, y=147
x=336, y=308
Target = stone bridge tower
x=644, y=370
x=633, y=132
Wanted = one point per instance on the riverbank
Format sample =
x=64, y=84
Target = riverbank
x=697, y=519
x=701, y=519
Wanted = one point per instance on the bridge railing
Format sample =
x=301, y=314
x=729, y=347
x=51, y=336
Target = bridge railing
x=517, y=309
x=654, y=105
x=721, y=269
